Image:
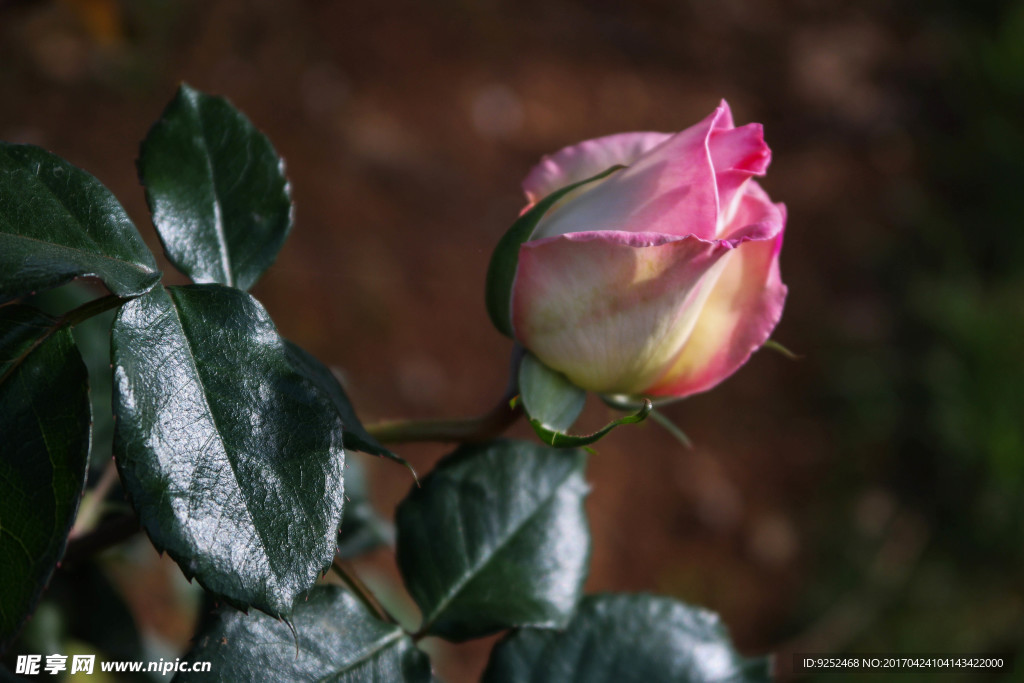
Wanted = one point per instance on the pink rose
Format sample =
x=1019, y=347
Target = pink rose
x=661, y=278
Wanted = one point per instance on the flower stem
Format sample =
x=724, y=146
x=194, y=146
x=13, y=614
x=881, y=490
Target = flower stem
x=462, y=430
x=481, y=428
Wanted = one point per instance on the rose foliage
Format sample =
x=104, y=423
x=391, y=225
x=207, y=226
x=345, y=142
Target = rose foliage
x=644, y=267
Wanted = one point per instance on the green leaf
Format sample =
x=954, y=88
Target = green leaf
x=45, y=423
x=233, y=460
x=356, y=437
x=548, y=396
x=92, y=337
x=217, y=190
x=336, y=639
x=626, y=639
x=561, y=440
x=362, y=529
x=501, y=273
x=57, y=222
x=496, y=537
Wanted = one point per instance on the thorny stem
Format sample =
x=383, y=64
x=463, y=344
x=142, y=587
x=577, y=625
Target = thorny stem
x=360, y=590
x=463, y=430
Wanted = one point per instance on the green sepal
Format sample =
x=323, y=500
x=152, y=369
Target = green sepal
x=548, y=396
x=779, y=348
x=501, y=273
x=561, y=440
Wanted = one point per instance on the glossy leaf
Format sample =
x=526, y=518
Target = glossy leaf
x=501, y=272
x=626, y=639
x=217, y=190
x=233, y=460
x=547, y=396
x=495, y=538
x=92, y=337
x=362, y=529
x=356, y=437
x=58, y=222
x=562, y=440
x=336, y=639
x=45, y=423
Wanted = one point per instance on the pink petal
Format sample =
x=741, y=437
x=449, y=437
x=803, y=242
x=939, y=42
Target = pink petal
x=612, y=309
x=669, y=190
x=742, y=309
x=587, y=159
x=683, y=184
x=737, y=155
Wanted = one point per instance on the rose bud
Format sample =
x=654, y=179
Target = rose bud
x=658, y=279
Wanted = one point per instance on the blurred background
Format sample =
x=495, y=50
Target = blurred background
x=865, y=498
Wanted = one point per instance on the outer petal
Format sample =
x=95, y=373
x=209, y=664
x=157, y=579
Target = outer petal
x=683, y=184
x=612, y=309
x=737, y=155
x=669, y=190
x=587, y=159
x=742, y=309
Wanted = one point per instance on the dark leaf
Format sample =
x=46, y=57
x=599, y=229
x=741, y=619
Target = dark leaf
x=495, y=538
x=216, y=189
x=337, y=640
x=92, y=337
x=626, y=639
x=501, y=272
x=58, y=222
x=233, y=460
x=356, y=437
x=45, y=421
